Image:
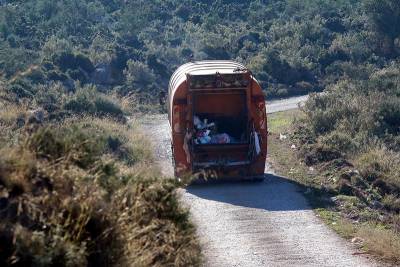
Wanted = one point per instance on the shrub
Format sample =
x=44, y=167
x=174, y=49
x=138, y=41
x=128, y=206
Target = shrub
x=22, y=88
x=65, y=218
x=77, y=75
x=50, y=96
x=69, y=61
x=380, y=163
x=391, y=203
x=139, y=73
x=80, y=206
x=339, y=141
x=87, y=100
x=105, y=106
x=77, y=145
x=389, y=114
x=321, y=153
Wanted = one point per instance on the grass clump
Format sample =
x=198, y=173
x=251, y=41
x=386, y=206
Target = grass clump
x=88, y=100
x=381, y=241
x=71, y=197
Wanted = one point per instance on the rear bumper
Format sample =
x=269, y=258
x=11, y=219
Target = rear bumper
x=230, y=171
x=203, y=180
x=216, y=164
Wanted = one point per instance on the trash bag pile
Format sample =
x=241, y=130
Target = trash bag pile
x=207, y=133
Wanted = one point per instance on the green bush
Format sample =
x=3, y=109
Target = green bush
x=389, y=115
x=107, y=107
x=320, y=153
x=78, y=145
x=340, y=141
x=74, y=63
x=380, y=163
x=22, y=88
x=87, y=100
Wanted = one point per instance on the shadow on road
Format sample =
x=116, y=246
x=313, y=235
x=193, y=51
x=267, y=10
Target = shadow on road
x=275, y=193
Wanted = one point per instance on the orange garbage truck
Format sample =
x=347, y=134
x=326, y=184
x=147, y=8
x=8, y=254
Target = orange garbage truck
x=218, y=121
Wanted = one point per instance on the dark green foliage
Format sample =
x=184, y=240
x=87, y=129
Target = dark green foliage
x=216, y=52
x=285, y=43
x=318, y=154
x=385, y=15
x=67, y=61
x=77, y=75
x=389, y=114
x=107, y=107
x=77, y=144
x=56, y=76
x=22, y=88
x=88, y=101
x=284, y=73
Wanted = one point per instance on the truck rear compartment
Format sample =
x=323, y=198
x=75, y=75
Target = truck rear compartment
x=228, y=142
x=226, y=111
x=216, y=112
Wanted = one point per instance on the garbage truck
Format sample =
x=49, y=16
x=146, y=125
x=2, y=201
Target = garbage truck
x=217, y=116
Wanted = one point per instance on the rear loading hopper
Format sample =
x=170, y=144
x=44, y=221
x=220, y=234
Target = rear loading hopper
x=218, y=121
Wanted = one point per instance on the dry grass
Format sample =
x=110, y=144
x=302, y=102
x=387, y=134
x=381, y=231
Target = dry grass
x=12, y=117
x=382, y=242
x=349, y=216
x=156, y=226
x=280, y=153
x=341, y=226
x=126, y=141
x=84, y=193
x=10, y=113
x=385, y=163
x=135, y=103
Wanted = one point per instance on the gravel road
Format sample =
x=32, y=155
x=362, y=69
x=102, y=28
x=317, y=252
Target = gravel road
x=285, y=104
x=267, y=223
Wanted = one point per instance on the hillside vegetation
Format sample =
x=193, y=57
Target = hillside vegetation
x=354, y=126
x=132, y=47
x=351, y=135
x=85, y=191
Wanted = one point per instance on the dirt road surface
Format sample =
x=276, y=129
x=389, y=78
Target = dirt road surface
x=267, y=223
x=285, y=104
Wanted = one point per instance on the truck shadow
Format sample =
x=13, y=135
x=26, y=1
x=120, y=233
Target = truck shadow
x=275, y=193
